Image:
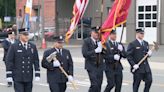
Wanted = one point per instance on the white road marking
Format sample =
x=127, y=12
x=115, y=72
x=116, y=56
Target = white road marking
x=3, y=84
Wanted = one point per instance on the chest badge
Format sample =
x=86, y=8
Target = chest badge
x=138, y=47
x=32, y=50
x=67, y=57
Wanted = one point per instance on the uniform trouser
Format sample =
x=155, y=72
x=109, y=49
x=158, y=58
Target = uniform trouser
x=23, y=86
x=137, y=77
x=96, y=77
x=114, y=79
x=9, y=83
x=57, y=87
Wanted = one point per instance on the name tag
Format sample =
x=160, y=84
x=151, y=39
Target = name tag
x=138, y=47
x=19, y=50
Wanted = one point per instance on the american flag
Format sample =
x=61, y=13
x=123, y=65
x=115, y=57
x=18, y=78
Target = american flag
x=78, y=12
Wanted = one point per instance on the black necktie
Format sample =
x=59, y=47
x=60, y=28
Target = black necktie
x=142, y=43
x=96, y=43
x=60, y=51
x=114, y=43
x=25, y=46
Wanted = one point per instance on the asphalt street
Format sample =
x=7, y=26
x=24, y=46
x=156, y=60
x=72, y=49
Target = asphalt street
x=81, y=77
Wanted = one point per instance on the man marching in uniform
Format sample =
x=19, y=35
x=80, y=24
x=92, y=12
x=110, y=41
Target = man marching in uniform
x=6, y=45
x=55, y=77
x=92, y=52
x=135, y=52
x=20, y=59
x=114, y=52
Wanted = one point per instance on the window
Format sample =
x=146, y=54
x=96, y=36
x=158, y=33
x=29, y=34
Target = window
x=154, y=8
x=141, y=16
x=108, y=9
x=141, y=8
x=154, y=16
x=148, y=24
x=148, y=16
x=148, y=8
x=154, y=24
x=140, y=24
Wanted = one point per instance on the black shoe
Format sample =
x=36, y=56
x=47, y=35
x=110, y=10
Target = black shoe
x=9, y=84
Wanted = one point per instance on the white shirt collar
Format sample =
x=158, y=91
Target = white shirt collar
x=24, y=43
x=140, y=41
x=57, y=49
x=94, y=40
x=113, y=41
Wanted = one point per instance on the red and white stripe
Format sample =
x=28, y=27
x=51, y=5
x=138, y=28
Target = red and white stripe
x=78, y=12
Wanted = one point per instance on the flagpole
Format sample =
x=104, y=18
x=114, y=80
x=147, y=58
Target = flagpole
x=102, y=9
x=122, y=32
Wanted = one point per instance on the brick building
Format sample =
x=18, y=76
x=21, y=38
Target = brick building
x=49, y=15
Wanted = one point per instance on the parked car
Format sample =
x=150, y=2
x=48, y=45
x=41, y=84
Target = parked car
x=35, y=36
x=49, y=33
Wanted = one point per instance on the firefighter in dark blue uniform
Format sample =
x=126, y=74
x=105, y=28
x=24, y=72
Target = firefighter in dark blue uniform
x=55, y=77
x=114, y=52
x=135, y=52
x=92, y=52
x=6, y=44
x=20, y=59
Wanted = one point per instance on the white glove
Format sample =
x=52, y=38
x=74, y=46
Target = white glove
x=37, y=78
x=51, y=56
x=70, y=78
x=99, y=44
x=136, y=66
x=9, y=79
x=56, y=63
x=116, y=57
x=98, y=50
x=120, y=47
x=149, y=52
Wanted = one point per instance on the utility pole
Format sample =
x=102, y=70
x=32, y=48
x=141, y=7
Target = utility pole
x=56, y=18
x=102, y=10
x=42, y=21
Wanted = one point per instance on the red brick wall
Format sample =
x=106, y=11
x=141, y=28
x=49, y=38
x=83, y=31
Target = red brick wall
x=49, y=6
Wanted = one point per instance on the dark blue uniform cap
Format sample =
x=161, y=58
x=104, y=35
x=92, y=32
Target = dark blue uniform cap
x=10, y=32
x=95, y=29
x=59, y=39
x=113, y=32
x=140, y=30
x=24, y=31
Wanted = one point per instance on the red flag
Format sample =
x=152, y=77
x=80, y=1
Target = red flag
x=117, y=16
x=78, y=12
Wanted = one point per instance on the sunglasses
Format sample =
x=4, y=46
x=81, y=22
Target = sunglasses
x=142, y=33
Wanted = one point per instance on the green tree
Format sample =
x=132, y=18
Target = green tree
x=7, y=8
